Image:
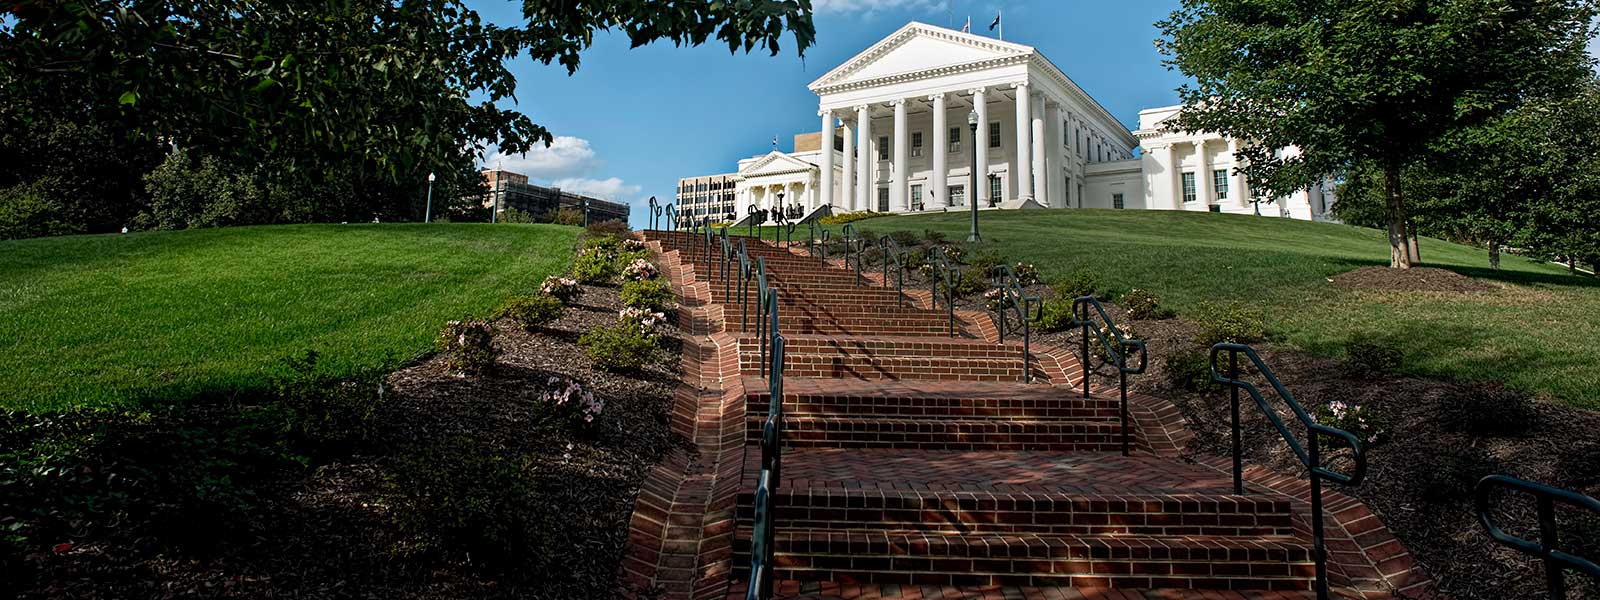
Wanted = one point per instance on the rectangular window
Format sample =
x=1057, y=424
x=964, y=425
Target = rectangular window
x=916, y=144
x=1216, y=208
x=1188, y=187
x=955, y=139
x=883, y=147
x=1219, y=184
x=1116, y=201
x=916, y=197
x=1066, y=132
x=994, y=134
x=996, y=189
x=883, y=199
x=957, y=195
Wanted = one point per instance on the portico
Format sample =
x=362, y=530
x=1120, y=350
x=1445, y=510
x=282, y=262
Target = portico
x=907, y=99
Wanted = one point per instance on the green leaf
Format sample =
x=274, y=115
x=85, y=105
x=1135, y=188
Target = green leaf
x=128, y=98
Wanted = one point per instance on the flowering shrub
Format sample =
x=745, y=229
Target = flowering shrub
x=995, y=298
x=1366, y=424
x=1026, y=274
x=631, y=245
x=647, y=322
x=1233, y=322
x=569, y=401
x=639, y=270
x=530, y=312
x=468, y=346
x=953, y=252
x=1098, y=349
x=1142, y=305
x=560, y=288
x=648, y=294
x=594, y=265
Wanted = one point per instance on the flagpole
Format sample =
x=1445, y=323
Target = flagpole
x=1000, y=16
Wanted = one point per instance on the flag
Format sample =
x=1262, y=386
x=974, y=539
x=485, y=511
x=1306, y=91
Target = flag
x=968, y=27
x=996, y=22
x=774, y=141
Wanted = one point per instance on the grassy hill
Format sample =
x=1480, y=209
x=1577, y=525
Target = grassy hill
x=1540, y=333
x=96, y=320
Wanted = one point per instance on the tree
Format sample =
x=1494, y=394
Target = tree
x=1365, y=82
x=361, y=96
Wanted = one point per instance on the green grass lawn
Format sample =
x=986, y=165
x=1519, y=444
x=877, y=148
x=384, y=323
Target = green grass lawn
x=116, y=319
x=1541, y=334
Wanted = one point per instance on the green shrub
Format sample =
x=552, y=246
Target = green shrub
x=568, y=406
x=1143, y=305
x=1451, y=472
x=564, y=289
x=1371, y=355
x=953, y=252
x=610, y=244
x=933, y=237
x=972, y=281
x=595, y=266
x=510, y=214
x=567, y=216
x=478, y=502
x=1368, y=425
x=1026, y=273
x=914, y=260
x=648, y=294
x=614, y=228
x=1488, y=409
x=468, y=347
x=1232, y=322
x=1055, y=315
x=331, y=413
x=1097, y=348
x=619, y=348
x=530, y=312
x=847, y=217
x=906, y=239
x=987, y=261
x=1190, y=370
x=1081, y=282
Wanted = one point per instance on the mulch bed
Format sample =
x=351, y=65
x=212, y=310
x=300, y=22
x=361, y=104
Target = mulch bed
x=1415, y=279
x=331, y=533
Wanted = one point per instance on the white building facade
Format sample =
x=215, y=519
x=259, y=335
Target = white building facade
x=902, y=117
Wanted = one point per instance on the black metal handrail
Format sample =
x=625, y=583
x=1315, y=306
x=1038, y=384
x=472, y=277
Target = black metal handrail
x=1310, y=455
x=705, y=228
x=1027, y=308
x=940, y=268
x=727, y=263
x=779, y=221
x=1117, y=347
x=655, y=214
x=750, y=218
x=892, y=252
x=787, y=228
x=746, y=272
x=672, y=216
x=850, y=240
x=763, y=293
x=1546, y=549
x=812, y=241
x=763, y=534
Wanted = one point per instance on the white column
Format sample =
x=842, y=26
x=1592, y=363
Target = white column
x=1202, y=175
x=1041, y=189
x=1175, y=176
x=980, y=142
x=847, y=188
x=941, y=142
x=1023, y=164
x=827, y=153
x=1235, y=177
x=866, y=161
x=901, y=175
x=1059, y=196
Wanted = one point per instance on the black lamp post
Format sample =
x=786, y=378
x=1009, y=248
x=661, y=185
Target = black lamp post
x=972, y=196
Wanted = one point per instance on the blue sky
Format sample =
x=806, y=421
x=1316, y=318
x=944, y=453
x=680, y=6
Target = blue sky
x=629, y=123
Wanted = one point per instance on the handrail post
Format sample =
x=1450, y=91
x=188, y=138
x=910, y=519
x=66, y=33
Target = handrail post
x=1085, y=343
x=1122, y=386
x=1554, y=573
x=1318, y=548
x=1238, y=460
x=1027, y=353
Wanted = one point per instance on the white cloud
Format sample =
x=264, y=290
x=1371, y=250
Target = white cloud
x=851, y=6
x=610, y=188
x=566, y=156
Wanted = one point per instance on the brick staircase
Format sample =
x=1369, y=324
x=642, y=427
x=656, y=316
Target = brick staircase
x=918, y=464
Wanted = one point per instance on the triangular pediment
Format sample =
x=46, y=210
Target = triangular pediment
x=918, y=47
x=775, y=163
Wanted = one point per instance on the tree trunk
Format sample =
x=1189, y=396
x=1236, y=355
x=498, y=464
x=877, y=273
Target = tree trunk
x=1494, y=254
x=1572, y=265
x=1399, y=240
x=1412, y=246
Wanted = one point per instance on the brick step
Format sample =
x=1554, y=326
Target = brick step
x=930, y=400
x=890, y=357
x=1048, y=513
x=1054, y=435
x=830, y=327
x=1032, y=559
x=811, y=590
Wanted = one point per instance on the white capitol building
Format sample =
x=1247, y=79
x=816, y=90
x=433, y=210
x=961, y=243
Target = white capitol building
x=899, y=114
